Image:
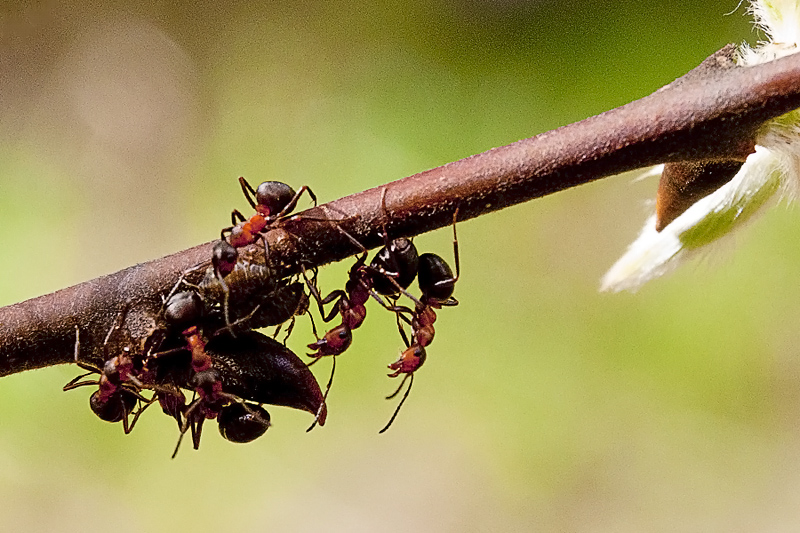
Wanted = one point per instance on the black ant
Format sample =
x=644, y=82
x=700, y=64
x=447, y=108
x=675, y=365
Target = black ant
x=397, y=261
x=119, y=391
x=437, y=284
x=272, y=200
x=243, y=422
x=183, y=312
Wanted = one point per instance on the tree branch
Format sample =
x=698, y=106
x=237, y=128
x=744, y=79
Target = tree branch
x=711, y=113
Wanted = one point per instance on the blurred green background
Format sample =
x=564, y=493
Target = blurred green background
x=544, y=405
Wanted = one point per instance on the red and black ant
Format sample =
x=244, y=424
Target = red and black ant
x=396, y=262
x=119, y=391
x=183, y=312
x=436, y=283
x=272, y=200
x=392, y=269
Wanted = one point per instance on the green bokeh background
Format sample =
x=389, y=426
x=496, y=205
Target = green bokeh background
x=544, y=405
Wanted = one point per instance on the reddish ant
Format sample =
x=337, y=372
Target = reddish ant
x=397, y=261
x=183, y=312
x=436, y=283
x=272, y=200
x=118, y=391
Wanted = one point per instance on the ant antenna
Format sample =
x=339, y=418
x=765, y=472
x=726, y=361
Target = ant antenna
x=324, y=403
x=397, y=410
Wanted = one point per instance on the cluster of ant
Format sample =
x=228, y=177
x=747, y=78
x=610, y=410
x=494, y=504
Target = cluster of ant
x=205, y=344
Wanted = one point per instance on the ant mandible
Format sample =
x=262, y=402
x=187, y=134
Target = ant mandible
x=437, y=284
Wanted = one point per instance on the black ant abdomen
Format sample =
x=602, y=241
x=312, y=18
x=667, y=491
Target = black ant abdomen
x=400, y=261
x=435, y=278
x=272, y=197
x=115, y=407
x=243, y=423
x=183, y=310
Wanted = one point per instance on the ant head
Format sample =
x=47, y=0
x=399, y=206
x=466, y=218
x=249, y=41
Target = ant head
x=334, y=342
x=243, y=423
x=110, y=368
x=435, y=277
x=224, y=257
x=184, y=309
x=114, y=408
x=401, y=260
x=272, y=197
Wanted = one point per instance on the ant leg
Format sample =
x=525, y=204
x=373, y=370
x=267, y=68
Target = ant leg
x=312, y=288
x=230, y=325
x=77, y=342
x=181, y=280
x=90, y=369
x=324, y=396
x=393, y=281
x=237, y=217
x=455, y=246
x=128, y=428
x=75, y=383
x=226, y=292
x=248, y=191
x=197, y=431
x=293, y=202
x=289, y=330
x=313, y=326
x=117, y=324
x=402, y=331
x=186, y=423
x=336, y=296
x=397, y=410
x=354, y=241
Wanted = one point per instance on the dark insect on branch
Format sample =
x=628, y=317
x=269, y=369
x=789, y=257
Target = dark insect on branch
x=706, y=120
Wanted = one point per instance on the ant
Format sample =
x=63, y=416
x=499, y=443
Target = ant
x=119, y=391
x=272, y=200
x=396, y=262
x=392, y=270
x=243, y=423
x=437, y=284
x=183, y=312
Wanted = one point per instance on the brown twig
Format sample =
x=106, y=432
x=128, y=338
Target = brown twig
x=711, y=113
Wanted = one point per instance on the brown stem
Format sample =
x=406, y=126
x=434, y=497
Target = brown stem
x=713, y=112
